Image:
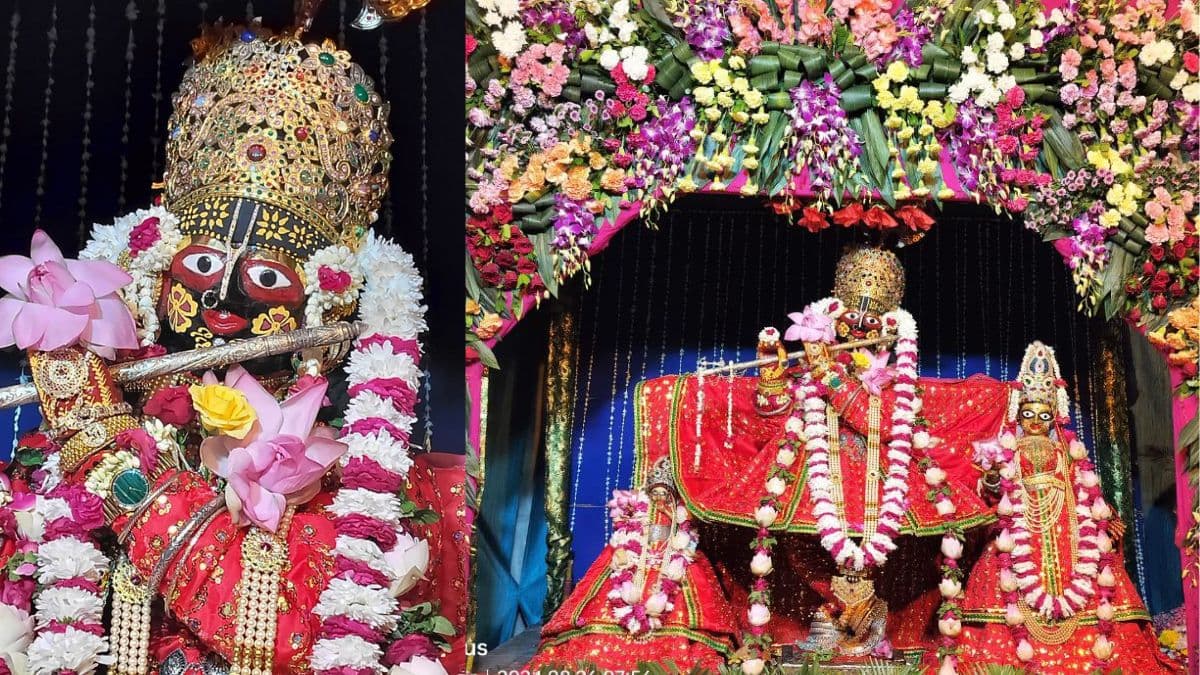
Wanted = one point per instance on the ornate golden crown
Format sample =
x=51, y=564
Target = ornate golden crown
x=297, y=128
x=1039, y=375
x=871, y=273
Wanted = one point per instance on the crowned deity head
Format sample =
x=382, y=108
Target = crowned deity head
x=1042, y=399
x=277, y=155
x=870, y=283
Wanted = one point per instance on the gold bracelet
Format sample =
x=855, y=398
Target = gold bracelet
x=183, y=558
x=141, y=510
x=168, y=554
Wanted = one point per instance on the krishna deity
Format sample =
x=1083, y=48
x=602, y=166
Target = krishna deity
x=212, y=522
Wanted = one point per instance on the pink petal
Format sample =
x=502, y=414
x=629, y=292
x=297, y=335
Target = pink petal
x=214, y=453
x=796, y=317
x=47, y=328
x=303, y=496
x=209, y=378
x=78, y=296
x=9, y=307
x=793, y=333
x=14, y=272
x=300, y=411
x=112, y=325
x=263, y=507
x=102, y=276
x=292, y=479
x=325, y=451
x=43, y=249
x=264, y=404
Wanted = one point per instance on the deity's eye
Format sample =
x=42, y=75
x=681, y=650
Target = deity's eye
x=1027, y=414
x=204, y=264
x=1045, y=416
x=871, y=321
x=850, y=316
x=267, y=277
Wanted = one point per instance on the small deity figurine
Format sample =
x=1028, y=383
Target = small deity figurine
x=237, y=531
x=772, y=396
x=1050, y=594
x=649, y=597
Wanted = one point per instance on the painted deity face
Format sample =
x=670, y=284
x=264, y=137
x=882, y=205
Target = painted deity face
x=1035, y=418
x=859, y=323
x=239, y=274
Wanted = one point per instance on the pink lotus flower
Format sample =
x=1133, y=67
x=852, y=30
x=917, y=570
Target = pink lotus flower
x=811, y=325
x=877, y=374
x=54, y=303
x=280, y=461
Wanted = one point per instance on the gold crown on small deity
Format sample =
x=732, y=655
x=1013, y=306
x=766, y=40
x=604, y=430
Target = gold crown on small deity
x=661, y=474
x=870, y=273
x=295, y=127
x=1041, y=380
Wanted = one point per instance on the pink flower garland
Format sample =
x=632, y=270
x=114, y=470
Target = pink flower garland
x=1092, y=573
x=638, y=614
x=378, y=420
x=70, y=569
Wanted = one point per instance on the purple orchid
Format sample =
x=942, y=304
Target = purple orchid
x=824, y=143
x=707, y=31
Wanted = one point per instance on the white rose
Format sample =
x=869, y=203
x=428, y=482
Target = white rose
x=1024, y=649
x=408, y=561
x=30, y=524
x=1037, y=39
x=758, y=614
x=921, y=440
x=1077, y=450
x=630, y=593
x=1101, y=510
x=785, y=456
x=765, y=515
x=681, y=541
x=761, y=564
x=1089, y=479
x=776, y=486
x=945, y=507
x=609, y=58
x=949, y=588
x=1191, y=93
x=16, y=632
x=1102, y=648
x=968, y=56
x=673, y=571
x=753, y=666
x=1007, y=21
x=1008, y=581
x=935, y=476
x=1013, y=616
x=418, y=665
x=1005, y=507
x=1104, y=542
x=1107, y=578
x=1004, y=542
x=950, y=626
x=1104, y=611
x=1017, y=51
x=952, y=548
x=1008, y=441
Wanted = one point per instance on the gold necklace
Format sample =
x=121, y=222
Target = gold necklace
x=871, y=487
x=1059, y=632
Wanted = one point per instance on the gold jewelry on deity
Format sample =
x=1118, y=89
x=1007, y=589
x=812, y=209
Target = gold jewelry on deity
x=141, y=509
x=263, y=558
x=871, y=485
x=185, y=555
x=62, y=373
x=131, y=609
x=93, y=438
x=852, y=590
x=873, y=274
x=311, y=144
x=1046, y=496
x=160, y=567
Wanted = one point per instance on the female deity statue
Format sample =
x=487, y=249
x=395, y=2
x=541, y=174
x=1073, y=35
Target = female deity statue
x=1050, y=594
x=236, y=532
x=649, y=597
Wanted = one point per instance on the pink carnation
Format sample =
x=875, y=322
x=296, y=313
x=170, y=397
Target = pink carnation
x=367, y=474
x=333, y=281
x=145, y=235
x=361, y=526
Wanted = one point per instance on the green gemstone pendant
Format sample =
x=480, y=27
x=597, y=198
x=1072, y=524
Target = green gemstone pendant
x=130, y=487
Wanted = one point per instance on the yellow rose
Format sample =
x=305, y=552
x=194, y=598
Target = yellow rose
x=701, y=72
x=722, y=78
x=741, y=84
x=753, y=98
x=897, y=71
x=1110, y=218
x=223, y=410
x=736, y=62
x=861, y=360
x=740, y=116
x=724, y=100
x=760, y=117
x=713, y=114
x=881, y=84
x=703, y=95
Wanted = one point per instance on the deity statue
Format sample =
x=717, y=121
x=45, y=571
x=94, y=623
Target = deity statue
x=236, y=531
x=650, y=597
x=1050, y=594
x=845, y=472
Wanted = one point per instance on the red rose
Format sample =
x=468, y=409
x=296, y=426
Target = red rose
x=1135, y=315
x=879, y=219
x=526, y=266
x=172, y=405
x=1191, y=62
x=848, y=216
x=1159, y=303
x=404, y=649
x=472, y=355
x=522, y=246
x=471, y=44
x=502, y=213
x=916, y=219
x=1176, y=290
x=506, y=259
x=1157, y=252
x=490, y=275
x=1179, y=251
x=510, y=279
x=813, y=220
x=334, y=281
x=140, y=443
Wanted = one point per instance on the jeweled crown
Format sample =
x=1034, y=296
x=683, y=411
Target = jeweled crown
x=1039, y=375
x=869, y=273
x=295, y=127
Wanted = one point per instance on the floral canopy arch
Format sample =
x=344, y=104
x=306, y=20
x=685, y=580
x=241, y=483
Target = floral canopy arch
x=1082, y=117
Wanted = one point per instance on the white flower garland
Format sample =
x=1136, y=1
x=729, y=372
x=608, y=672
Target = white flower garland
x=627, y=598
x=379, y=418
x=144, y=249
x=1020, y=574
